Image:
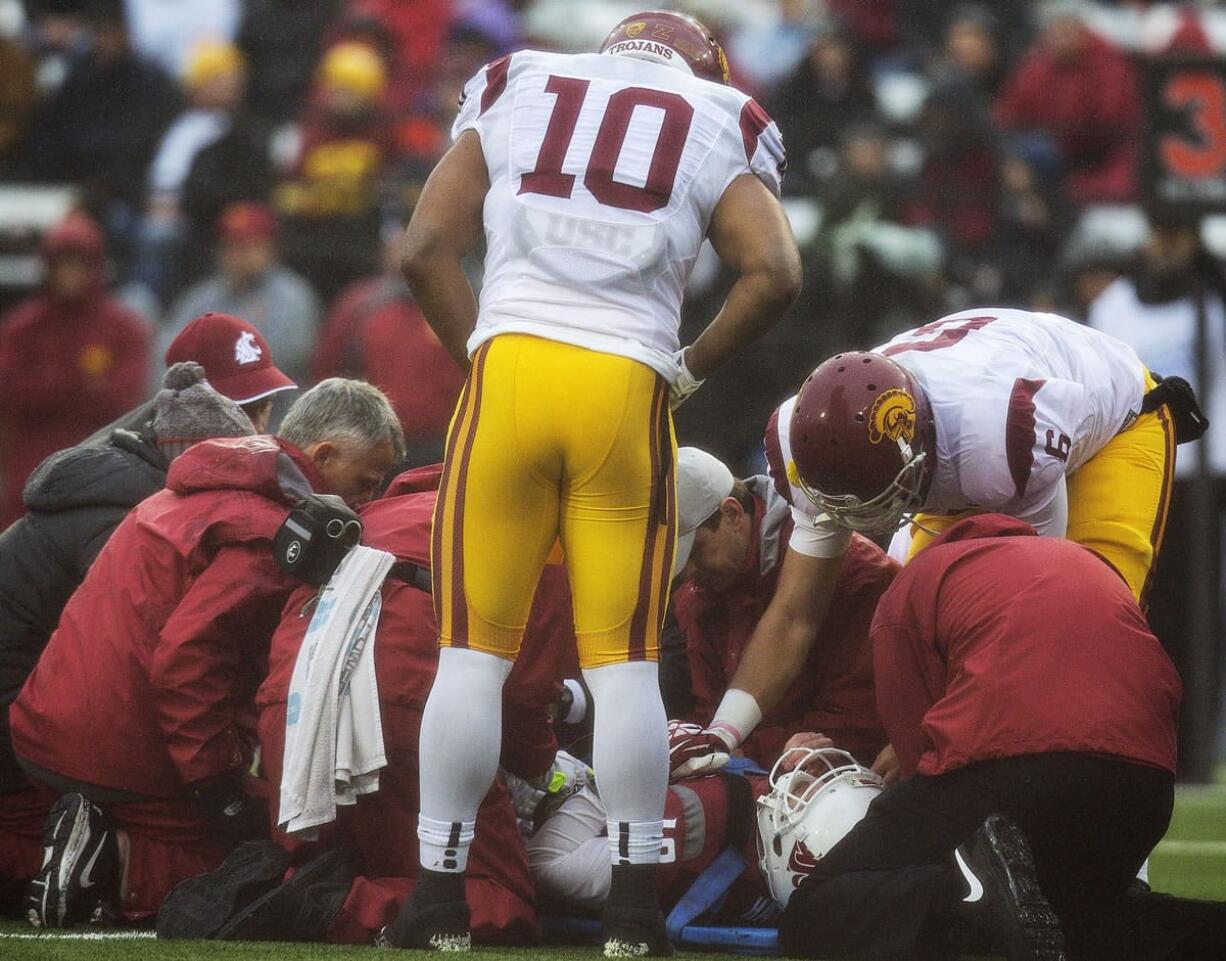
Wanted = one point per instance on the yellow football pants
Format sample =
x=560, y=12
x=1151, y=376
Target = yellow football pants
x=1118, y=500
x=549, y=442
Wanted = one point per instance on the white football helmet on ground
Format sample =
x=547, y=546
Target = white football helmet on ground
x=809, y=809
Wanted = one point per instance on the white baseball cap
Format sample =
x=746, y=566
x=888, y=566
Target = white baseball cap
x=702, y=484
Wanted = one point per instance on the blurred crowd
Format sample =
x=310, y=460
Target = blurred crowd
x=260, y=158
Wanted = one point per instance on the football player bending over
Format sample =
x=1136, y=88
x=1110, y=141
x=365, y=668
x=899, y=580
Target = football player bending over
x=993, y=409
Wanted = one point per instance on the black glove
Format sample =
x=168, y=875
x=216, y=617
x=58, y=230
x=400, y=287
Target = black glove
x=233, y=812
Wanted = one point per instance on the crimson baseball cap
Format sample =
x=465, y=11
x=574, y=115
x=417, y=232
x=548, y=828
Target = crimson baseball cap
x=247, y=221
x=234, y=355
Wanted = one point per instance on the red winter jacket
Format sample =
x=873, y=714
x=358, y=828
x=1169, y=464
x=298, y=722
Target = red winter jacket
x=147, y=683
x=406, y=648
x=833, y=695
x=1090, y=107
x=65, y=371
x=994, y=643
x=376, y=332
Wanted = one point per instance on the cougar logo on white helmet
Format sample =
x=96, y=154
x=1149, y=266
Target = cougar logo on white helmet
x=809, y=809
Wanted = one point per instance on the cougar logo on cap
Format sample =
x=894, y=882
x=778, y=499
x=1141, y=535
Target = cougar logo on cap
x=634, y=29
x=246, y=350
x=892, y=416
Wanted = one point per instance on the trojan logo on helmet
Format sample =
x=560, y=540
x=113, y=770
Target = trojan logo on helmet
x=892, y=416
x=863, y=441
x=673, y=39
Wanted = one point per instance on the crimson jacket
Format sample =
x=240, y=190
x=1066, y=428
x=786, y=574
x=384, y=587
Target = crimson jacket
x=1089, y=105
x=994, y=643
x=833, y=695
x=406, y=645
x=375, y=331
x=65, y=370
x=145, y=685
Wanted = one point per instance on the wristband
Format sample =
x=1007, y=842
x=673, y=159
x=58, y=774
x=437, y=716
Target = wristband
x=736, y=717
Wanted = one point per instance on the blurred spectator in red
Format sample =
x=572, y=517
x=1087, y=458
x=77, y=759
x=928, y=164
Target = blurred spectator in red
x=330, y=203
x=415, y=34
x=828, y=92
x=252, y=284
x=72, y=358
x=214, y=79
x=102, y=126
x=1080, y=91
x=375, y=331
x=871, y=23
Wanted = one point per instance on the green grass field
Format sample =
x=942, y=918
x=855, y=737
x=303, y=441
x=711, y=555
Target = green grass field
x=1191, y=861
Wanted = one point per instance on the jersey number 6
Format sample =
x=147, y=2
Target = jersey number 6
x=548, y=178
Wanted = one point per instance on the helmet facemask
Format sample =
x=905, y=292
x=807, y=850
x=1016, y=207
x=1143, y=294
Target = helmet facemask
x=890, y=509
x=810, y=807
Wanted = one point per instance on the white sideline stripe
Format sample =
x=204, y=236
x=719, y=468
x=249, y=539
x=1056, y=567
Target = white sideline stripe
x=1192, y=847
x=77, y=935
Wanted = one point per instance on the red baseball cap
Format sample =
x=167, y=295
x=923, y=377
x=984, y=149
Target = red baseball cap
x=234, y=355
x=247, y=221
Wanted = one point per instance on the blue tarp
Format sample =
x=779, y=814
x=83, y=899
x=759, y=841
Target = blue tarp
x=757, y=941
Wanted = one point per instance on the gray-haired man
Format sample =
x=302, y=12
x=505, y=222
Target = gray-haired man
x=349, y=433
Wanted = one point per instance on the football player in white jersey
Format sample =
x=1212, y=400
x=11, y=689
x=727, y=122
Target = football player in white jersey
x=1022, y=413
x=595, y=179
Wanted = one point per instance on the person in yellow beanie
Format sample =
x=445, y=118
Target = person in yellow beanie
x=352, y=75
x=329, y=202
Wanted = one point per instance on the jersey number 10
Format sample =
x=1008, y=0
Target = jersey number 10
x=548, y=178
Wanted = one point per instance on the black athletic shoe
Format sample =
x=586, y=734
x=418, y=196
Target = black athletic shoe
x=635, y=933
x=199, y=907
x=79, y=879
x=428, y=924
x=1004, y=902
x=300, y=909
x=434, y=918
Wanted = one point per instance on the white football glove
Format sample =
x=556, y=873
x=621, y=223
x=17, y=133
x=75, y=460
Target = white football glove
x=685, y=384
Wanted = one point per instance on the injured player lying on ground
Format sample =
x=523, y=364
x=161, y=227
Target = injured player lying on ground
x=736, y=844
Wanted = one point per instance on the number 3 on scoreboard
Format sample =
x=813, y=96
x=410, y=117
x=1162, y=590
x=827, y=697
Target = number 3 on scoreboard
x=570, y=92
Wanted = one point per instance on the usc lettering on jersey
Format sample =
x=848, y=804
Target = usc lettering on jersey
x=604, y=172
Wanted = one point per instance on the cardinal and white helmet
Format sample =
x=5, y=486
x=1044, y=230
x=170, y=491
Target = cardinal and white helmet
x=808, y=810
x=864, y=441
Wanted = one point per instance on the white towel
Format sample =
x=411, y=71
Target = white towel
x=333, y=730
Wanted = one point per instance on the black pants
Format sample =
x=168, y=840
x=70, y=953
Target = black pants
x=889, y=889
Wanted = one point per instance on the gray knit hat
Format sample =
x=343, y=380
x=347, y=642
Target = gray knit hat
x=187, y=410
